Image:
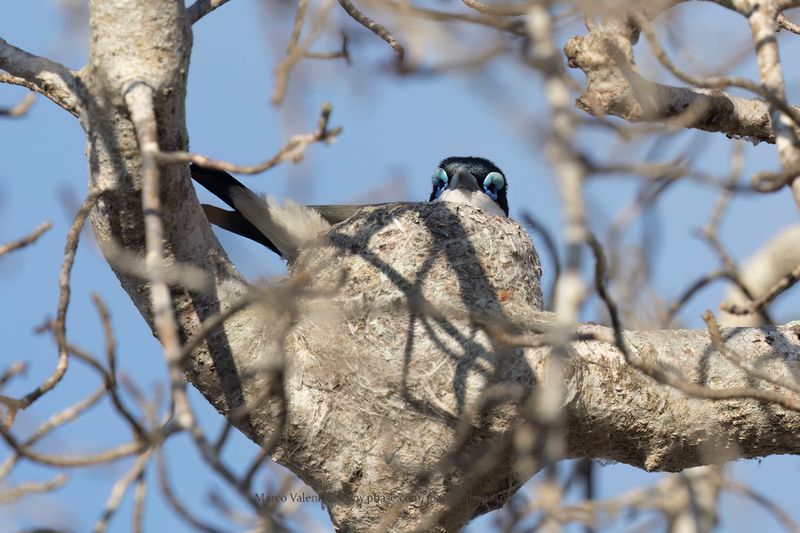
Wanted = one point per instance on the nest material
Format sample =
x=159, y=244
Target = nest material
x=385, y=371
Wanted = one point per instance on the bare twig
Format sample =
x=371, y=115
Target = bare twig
x=59, y=327
x=343, y=52
x=19, y=109
x=111, y=377
x=374, y=27
x=174, y=502
x=550, y=244
x=113, y=454
x=762, y=27
x=294, y=150
x=138, y=503
x=14, y=369
x=139, y=99
x=201, y=8
x=295, y=50
x=505, y=11
x=119, y=489
x=25, y=241
x=11, y=494
x=786, y=24
x=760, y=303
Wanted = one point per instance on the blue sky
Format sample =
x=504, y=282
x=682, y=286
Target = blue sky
x=395, y=131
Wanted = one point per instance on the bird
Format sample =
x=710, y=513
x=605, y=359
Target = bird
x=286, y=228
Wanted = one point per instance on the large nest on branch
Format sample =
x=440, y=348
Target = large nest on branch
x=400, y=356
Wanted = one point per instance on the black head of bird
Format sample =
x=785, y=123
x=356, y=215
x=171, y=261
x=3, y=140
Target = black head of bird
x=471, y=180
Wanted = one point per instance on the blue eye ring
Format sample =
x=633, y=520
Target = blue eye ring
x=440, y=181
x=493, y=183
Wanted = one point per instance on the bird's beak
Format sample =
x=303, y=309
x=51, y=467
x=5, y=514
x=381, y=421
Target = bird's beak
x=463, y=179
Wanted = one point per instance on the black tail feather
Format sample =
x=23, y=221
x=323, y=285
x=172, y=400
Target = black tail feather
x=227, y=188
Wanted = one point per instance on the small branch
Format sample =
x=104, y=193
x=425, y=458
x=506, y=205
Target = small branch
x=503, y=11
x=25, y=241
x=138, y=503
x=14, y=369
x=119, y=489
x=762, y=26
x=757, y=305
x=11, y=494
x=294, y=149
x=123, y=450
x=513, y=26
x=201, y=8
x=20, y=108
x=139, y=99
x=173, y=501
x=110, y=378
x=373, y=26
x=61, y=315
x=552, y=249
x=342, y=53
x=295, y=49
x=786, y=24
x=768, y=505
x=46, y=77
x=297, y=27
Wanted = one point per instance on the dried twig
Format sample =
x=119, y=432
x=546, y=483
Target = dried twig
x=139, y=99
x=374, y=27
x=295, y=50
x=173, y=501
x=59, y=326
x=786, y=24
x=11, y=494
x=201, y=8
x=294, y=150
x=119, y=489
x=19, y=109
x=505, y=11
x=25, y=241
x=110, y=378
x=761, y=303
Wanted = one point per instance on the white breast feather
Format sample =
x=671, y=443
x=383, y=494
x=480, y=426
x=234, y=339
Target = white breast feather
x=473, y=198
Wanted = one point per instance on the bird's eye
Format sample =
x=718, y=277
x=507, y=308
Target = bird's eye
x=494, y=183
x=440, y=180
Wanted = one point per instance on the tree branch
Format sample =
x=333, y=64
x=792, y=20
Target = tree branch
x=46, y=77
x=613, y=86
x=201, y=8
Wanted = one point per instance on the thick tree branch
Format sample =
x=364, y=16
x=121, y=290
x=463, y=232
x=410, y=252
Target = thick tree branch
x=613, y=86
x=46, y=77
